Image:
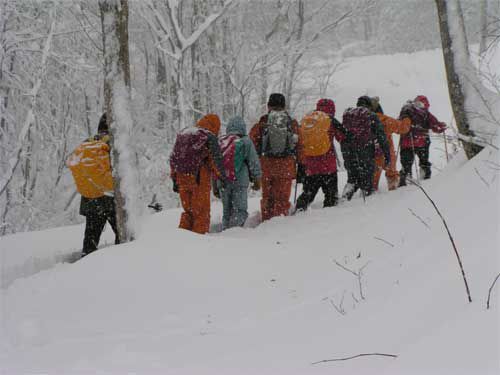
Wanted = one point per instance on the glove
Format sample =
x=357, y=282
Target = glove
x=175, y=187
x=218, y=187
x=216, y=192
x=256, y=184
x=387, y=158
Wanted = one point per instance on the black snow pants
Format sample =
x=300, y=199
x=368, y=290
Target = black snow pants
x=311, y=186
x=407, y=159
x=97, y=212
x=361, y=168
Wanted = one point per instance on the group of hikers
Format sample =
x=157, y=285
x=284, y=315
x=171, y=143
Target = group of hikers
x=276, y=151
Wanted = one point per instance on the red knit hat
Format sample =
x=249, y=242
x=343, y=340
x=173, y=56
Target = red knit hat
x=327, y=106
x=423, y=99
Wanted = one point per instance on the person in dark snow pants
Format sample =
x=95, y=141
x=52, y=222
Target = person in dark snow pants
x=235, y=194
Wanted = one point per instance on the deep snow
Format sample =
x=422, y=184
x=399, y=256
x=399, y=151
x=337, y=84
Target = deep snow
x=261, y=300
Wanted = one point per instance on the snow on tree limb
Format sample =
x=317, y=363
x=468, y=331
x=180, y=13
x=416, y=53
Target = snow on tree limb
x=14, y=161
x=482, y=106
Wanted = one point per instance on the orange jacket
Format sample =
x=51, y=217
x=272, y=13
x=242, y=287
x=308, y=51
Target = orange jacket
x=391, y=125
x=279, y=167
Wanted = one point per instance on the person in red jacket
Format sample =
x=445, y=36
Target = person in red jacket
x=417, y=140
x=321, y=171
x=276, y=149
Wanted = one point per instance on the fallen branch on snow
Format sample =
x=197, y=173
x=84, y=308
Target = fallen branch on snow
x=385, y=241
x=449, y=235
x=489, y=292
x=482, y=178
x=419, y=218
x=358, y=274
x=355, y=356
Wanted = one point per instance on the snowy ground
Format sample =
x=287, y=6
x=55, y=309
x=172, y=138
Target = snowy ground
x=271, y=299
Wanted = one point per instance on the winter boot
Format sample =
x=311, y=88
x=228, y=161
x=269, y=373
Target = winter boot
x=402, y=178
x=425, y=172
x=348, y=191
x=393, y=183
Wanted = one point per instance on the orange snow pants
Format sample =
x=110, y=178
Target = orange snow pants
x=195, y=199
x=391, y=173
x=277, y=177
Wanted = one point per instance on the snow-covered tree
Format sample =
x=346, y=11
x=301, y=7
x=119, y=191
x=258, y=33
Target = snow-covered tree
x=475, y=107
x=114, y=16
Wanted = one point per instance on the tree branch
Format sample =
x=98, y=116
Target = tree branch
x=449, y=235
x=489, y=292
x=355, y=356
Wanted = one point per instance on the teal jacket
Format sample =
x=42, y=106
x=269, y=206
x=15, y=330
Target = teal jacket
x=252, y=171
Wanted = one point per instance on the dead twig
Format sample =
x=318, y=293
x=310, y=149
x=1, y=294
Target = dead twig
x=355, y=356
x=358, y=275
x=449, y=235
x=340, y=308
x=481, y=177
x=419, y=218
x=385, y=241
x=489, y=292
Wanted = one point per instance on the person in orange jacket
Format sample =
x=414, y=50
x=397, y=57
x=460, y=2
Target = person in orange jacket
x=275, y=137
x=197, y=158
x=391, y=125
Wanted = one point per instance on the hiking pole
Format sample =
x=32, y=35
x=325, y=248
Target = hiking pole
x=414, y=158
x=446, y=146
x=295, y=194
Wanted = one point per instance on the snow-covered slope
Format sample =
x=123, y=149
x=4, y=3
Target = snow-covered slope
x=278, y=297
x=261, y=300
x=398, y=77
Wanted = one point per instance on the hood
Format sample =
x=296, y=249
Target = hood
x=236, y=126
x=211, y=122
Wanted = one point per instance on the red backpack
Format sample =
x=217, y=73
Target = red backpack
x=232, y=152
x=358, y=121
x=189, y=150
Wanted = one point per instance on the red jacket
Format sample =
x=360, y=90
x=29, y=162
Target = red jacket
x=327, y=163
x=422, y=122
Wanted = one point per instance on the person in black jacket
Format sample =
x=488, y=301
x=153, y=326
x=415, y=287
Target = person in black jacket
x=365, y=131
x=98, y=207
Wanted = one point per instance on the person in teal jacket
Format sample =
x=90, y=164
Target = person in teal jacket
x=234, y=196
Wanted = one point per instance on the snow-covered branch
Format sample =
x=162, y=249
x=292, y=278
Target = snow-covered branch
x=28, y=122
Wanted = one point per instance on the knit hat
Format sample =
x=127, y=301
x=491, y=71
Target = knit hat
x=276, y=100
x=211, y=122
x=327, y=106
x=423, y=101
x=236, y=125
x=364, y=101
x=103, y=128
x=377, y=108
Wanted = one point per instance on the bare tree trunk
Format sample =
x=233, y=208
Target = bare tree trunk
x=195, y=63
x=30, y=117
x=8, y=202
x=228, y=109
x=87, y=114
x=455, y=80
x=264, y=86
x=483, y=24
x=161, y=81
x=114, y=18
